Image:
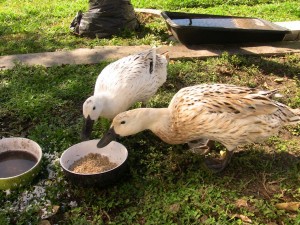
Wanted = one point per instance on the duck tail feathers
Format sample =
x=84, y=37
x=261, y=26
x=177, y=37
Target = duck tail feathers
x=271, y=94
x=164, y=53
x=295, y=119
x=296, y=111
x=150, y=56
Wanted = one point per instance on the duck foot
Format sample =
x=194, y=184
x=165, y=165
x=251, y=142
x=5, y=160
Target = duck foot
x=218, y=165
x=201, y=146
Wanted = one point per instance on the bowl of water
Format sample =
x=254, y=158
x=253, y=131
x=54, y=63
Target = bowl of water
x=20, y=162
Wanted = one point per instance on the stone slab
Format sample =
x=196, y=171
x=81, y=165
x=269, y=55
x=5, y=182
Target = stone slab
x=95, y=55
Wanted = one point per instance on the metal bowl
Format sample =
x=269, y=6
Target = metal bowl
x=116, y=152
x=26, y=145
x=195, y=29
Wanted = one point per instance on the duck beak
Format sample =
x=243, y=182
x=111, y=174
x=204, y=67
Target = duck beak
x=107, y=138
x=87, y=128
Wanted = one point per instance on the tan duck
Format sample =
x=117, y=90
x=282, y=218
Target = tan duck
x=228, y=114
x=134, y=78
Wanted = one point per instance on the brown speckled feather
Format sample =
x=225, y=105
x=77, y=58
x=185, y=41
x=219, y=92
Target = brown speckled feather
x=225, y=113
x=219, y=112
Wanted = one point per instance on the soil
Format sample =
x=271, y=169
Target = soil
x=92, y=163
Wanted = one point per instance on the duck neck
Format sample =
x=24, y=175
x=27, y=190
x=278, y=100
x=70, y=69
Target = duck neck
x=155, y=117
x=111, y=106
x=158, y=121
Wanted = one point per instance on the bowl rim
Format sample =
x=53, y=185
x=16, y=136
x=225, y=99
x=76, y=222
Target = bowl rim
x=39, y=159
x=93, y=174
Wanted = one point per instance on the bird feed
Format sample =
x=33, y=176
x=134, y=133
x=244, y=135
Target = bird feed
x=92, y=163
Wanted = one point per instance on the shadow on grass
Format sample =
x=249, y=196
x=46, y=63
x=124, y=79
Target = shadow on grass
x=36, y=42
x=264, y=174
x=249, y=171
x=267, y=66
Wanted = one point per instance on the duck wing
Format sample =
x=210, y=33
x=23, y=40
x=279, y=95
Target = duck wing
x=244, y=105
x=201, y=109
x=133, y=73
x=224, y=99
x=228, y=114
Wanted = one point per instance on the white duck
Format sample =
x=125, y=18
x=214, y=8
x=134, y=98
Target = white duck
x=131, y=79
x=228, y=114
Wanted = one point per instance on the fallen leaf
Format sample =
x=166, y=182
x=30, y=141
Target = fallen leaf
x=290, y=206
x=245, y=219
x=223, y=154
x=55, y=208
x=279, y=80
x=241, y=203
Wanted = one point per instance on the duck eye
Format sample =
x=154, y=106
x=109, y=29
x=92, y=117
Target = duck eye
x=94, y=107
x=123, y=122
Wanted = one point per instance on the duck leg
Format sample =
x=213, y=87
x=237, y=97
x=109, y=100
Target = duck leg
x=201, y=146
x=218, y=165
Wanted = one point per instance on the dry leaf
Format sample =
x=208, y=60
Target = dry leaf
x=241, y=203
x=55, y=208
x=223, y=154
x=245, y=219
x=279, y=80
x=290, y=206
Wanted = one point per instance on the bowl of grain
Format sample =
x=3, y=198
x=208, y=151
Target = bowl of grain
x=20, y=162
x=86, y=165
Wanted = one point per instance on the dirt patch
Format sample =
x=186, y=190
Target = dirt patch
x=144, y=17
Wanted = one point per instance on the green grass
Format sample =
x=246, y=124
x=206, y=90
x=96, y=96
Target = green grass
x=166, y=184
x=26, y=28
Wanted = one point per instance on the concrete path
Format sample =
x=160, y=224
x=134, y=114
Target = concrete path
x=95, y=55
